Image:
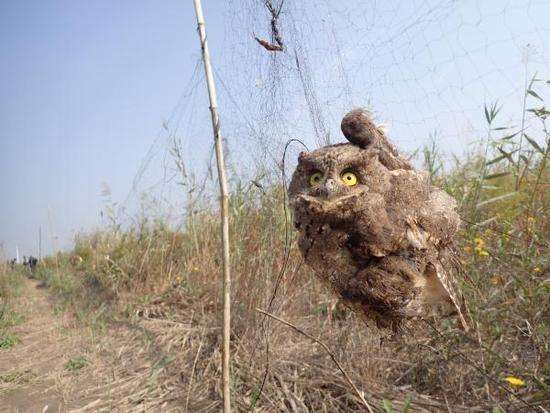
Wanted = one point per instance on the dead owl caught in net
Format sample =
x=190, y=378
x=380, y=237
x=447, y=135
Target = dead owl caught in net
x=375, y=230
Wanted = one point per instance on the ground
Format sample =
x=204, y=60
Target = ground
x=59, y=366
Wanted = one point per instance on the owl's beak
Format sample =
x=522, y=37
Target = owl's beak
x=328, y=190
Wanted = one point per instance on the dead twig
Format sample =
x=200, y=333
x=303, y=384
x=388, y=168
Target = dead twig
x=328, y=351
x=269, y=46
x=276, y=44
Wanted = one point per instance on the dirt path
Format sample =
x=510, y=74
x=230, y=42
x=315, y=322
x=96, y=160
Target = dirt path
x=60, y=366
x=29, y=368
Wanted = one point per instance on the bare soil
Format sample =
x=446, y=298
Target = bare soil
x=120, y=368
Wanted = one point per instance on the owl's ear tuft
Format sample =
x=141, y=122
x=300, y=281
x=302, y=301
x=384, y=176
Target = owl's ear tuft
x=358, y=128
x=302, y=156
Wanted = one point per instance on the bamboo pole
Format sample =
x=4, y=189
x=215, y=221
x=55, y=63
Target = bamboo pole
x=224, y=205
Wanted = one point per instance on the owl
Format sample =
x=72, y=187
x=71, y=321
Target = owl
x=374, y=229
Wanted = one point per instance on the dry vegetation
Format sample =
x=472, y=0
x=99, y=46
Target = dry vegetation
x=167, y=282
x=10, y=285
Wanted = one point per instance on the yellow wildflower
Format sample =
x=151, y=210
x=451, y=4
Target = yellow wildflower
x=536, y=269
x=514, y=381
x=530, y=224
x=496, y=279
x=480, y=247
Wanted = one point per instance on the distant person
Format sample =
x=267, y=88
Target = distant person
x=33, y=262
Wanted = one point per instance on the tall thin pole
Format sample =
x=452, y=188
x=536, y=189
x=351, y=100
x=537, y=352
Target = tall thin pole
x=224, y=205
x=39, y=243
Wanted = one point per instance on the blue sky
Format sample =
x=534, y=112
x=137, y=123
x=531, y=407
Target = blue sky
x=86, y=86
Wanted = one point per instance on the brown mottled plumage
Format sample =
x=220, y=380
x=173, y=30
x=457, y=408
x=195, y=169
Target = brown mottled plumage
x=383, y=241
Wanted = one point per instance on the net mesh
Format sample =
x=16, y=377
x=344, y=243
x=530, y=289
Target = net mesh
x=425, y=68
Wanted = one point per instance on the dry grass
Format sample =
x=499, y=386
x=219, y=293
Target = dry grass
x=168, y=283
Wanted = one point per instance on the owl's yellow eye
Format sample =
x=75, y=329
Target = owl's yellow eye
x=349, y=178
x=315, y=178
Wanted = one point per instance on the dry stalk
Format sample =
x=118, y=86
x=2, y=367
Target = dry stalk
x=483, y=364
x=192, y=375
x=328, y=351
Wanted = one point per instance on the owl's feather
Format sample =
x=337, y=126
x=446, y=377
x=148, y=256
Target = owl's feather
x=384, y=244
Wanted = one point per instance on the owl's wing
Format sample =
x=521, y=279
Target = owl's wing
x=412, y=198
x=447, y=273
x=440, y=217
x=442, y=269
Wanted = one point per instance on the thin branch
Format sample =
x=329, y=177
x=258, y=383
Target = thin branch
x=327, y=350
